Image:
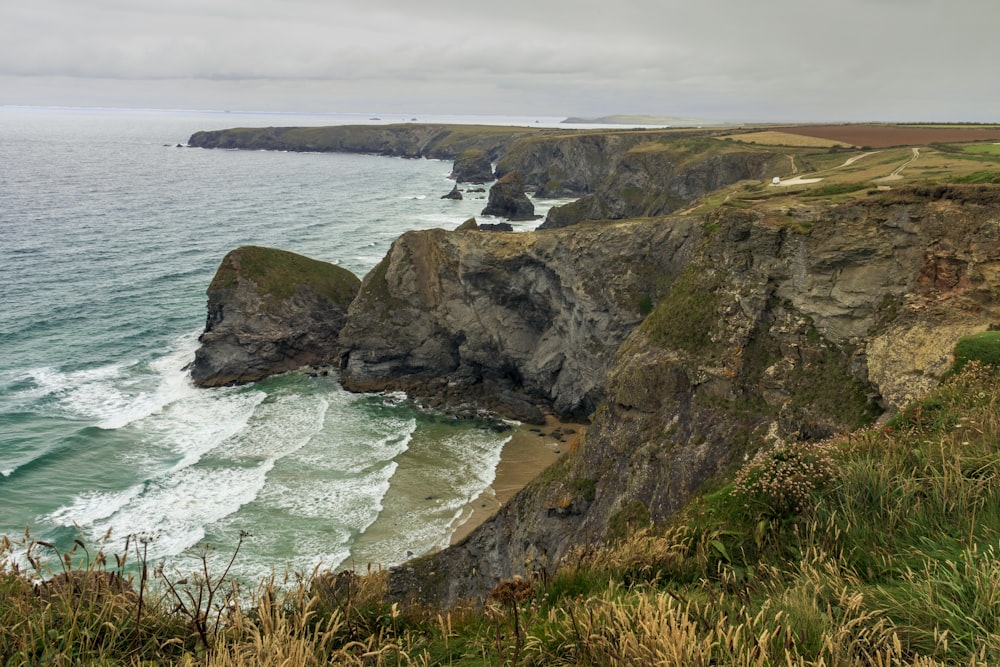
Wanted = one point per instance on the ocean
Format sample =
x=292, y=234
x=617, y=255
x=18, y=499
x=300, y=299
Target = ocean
x=109, y=235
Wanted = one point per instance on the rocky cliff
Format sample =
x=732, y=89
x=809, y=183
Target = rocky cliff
x=619, y=174
x=569, y=164
x=766, y=325
x=271, y=311
x=516, y=323
x=689, y=342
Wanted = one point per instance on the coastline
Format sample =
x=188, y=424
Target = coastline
x=530, y=450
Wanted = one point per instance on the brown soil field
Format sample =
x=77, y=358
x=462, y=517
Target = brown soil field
x=883, y=136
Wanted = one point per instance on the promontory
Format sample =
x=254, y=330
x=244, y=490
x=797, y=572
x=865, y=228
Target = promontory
x=710, y=294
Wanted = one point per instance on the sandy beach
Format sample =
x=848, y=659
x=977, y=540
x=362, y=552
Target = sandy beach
x=530, y=450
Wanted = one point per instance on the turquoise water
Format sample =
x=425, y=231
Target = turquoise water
x=109, y=235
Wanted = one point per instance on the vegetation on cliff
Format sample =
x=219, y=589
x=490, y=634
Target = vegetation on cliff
x=279, y=274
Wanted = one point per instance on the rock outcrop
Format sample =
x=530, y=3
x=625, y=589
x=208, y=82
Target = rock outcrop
x=473, y=165
x=509, y=322
x=271, y=311
x=768, y=326
x=454, y=194
x=508, y=200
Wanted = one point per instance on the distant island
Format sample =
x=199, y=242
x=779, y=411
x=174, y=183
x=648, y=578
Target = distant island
x=634, y=119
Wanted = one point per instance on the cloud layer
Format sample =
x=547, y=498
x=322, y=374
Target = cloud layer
x=719, y=59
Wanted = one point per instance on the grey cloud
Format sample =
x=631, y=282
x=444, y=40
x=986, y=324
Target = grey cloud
x=877, y=58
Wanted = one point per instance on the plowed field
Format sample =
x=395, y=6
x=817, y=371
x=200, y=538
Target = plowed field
x=883, y=136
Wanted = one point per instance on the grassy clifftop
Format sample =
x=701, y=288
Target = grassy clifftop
x=279, y=273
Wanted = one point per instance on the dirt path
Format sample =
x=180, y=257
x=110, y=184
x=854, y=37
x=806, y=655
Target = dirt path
x=805, y=179
x=852, y=160
x=897, y=173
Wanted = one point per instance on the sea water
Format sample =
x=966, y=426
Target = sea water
x=109, y=234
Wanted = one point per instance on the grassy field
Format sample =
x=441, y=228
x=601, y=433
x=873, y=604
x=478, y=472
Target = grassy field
x=852, y=173
x=983, y=149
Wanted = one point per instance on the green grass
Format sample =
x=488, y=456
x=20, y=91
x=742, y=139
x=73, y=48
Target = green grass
x=980, y=177
x=983, y=149
x=832, y=189
x=983, y=347
x=686, y=316
x=280, y=273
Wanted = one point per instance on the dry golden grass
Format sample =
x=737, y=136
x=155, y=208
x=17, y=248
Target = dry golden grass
x=772, y=138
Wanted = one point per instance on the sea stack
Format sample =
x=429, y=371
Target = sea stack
x=271, y=311
x=507, y=199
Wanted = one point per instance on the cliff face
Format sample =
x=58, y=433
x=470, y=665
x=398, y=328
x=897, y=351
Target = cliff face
x=508, y=321
x=271, y=311
x=473, y=165
x=570, y=164
x=660, y=178
x=791, y=325
x=444, y=142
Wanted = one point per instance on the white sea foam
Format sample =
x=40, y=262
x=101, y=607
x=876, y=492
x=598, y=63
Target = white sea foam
x=352, y=446
x=213, y=478
x=114, y=395
x=178, y=507
x=187, y=429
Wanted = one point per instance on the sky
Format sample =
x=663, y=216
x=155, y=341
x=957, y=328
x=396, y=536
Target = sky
x=721, y=60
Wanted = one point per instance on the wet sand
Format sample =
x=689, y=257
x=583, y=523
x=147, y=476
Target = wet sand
x=530, y=450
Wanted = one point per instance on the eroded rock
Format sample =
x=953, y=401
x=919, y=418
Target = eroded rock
x=508, y=200
x=271, y=311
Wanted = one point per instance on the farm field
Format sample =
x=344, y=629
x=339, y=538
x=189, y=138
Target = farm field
x=770, y=138
x=884, y=136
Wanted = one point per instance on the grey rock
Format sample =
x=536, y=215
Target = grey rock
x=507, y=321
x=271, y=311
x=508, y=200
x=473, y=165
x=454, y=194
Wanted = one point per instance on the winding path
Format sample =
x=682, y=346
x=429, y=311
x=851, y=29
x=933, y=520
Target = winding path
x=897, y=173
x=815, y=178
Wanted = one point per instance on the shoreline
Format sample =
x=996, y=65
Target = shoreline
x=530, y=450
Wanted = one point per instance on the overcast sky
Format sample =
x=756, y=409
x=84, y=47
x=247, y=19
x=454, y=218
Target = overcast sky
x=732, y=60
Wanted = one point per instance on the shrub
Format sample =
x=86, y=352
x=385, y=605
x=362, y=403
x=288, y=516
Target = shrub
x=781, y=482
